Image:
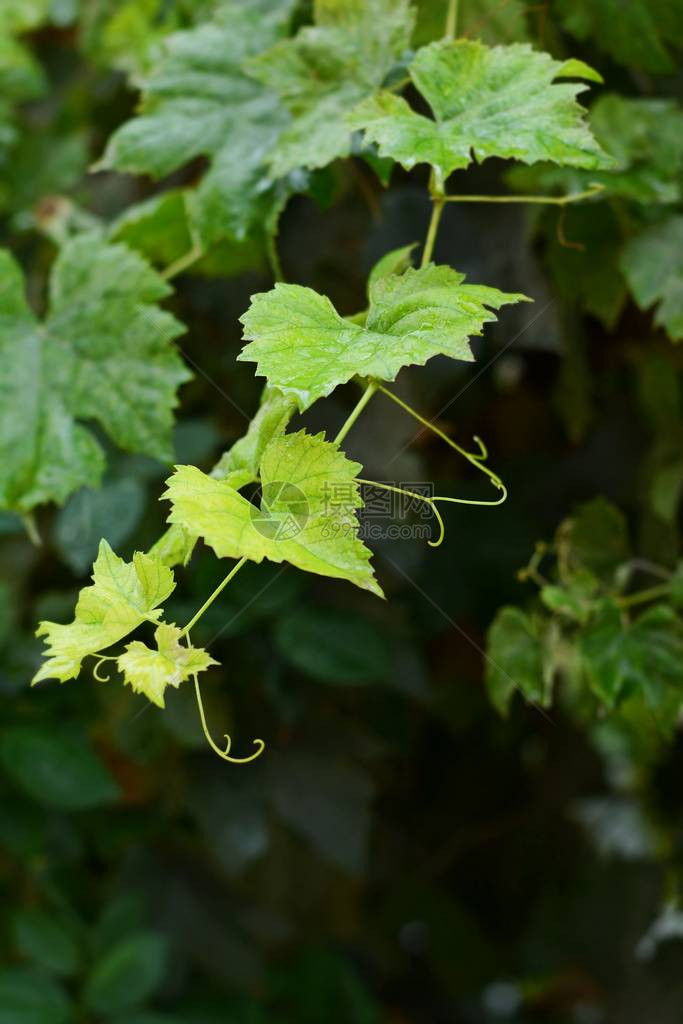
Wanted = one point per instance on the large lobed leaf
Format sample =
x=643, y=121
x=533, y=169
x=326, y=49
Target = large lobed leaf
x=327, y=68
x=198, y=102
x=103, y=353
x=305, y=348
x=122, y=596
x=307, y=516
x=502, y=101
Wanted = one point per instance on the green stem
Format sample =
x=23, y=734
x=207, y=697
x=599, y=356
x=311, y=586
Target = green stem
x=274, y=258
x=356, y=411
x=29, y=521
x=451, y=20
x=183, y=262
x=438, y=202
x=573, y=197
x=209, y=601
x=651, y=594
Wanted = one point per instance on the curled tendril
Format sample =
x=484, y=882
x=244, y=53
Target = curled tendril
x=412, y=494
x=98, y=664
x=224, y=754
x=476, y=459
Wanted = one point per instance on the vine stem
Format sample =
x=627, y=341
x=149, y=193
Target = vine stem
x=438, y=203
x=451, y=20
x=651, y=594
x=183, y=262
x=573, y=197
x=356, y=411
x=212, y=597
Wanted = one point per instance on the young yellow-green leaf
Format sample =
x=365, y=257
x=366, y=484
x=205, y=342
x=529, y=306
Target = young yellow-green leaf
x=305, y=348
x=239, y=465
x=653, y=265
x=198, y=102
x=150, y=671
x=104, y=352
x=307, y=514
x=501, y=101
x=326, y=69
x=123, y=595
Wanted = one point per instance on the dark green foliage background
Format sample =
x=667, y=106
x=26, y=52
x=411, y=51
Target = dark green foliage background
x=401, y=854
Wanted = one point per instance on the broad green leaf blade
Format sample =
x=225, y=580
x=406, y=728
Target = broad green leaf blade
x=239, y=465
x=47, y=940
x=637, y=34
x=645, y=657
x=56, y=768
x=103, y=353
x=28, y=997
x=645, y=139
x=653, y=265
x=150, y=671
x=307, y=516
x=305, y=348
x=503, y=101
x=123, y=595
x=198, y=102
x=514, y=660
x=127, y=973
x=326, y=69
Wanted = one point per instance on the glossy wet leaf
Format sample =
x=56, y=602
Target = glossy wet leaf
x=504, y=101
x=307, y=514
x=305, y=348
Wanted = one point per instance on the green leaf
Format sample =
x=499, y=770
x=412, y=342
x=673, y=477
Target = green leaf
x=28, y=997
x=307, y=515
x=514, y=660
x=103, y=353
x=305, y=348
x=645, y=656
x=198, y=102
x=150, y=671
x=334, y=647
x=127, y=974
x=123, y=595
x=576, y=599
x=637, y=34
x=595, y=538
x=397, y=261
x=56, y=768
x=110, y=513
x=164, y=228
x=653, y=264
x=501, y=101
x=326, y=69
x=45, y=939
x=240, y=464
